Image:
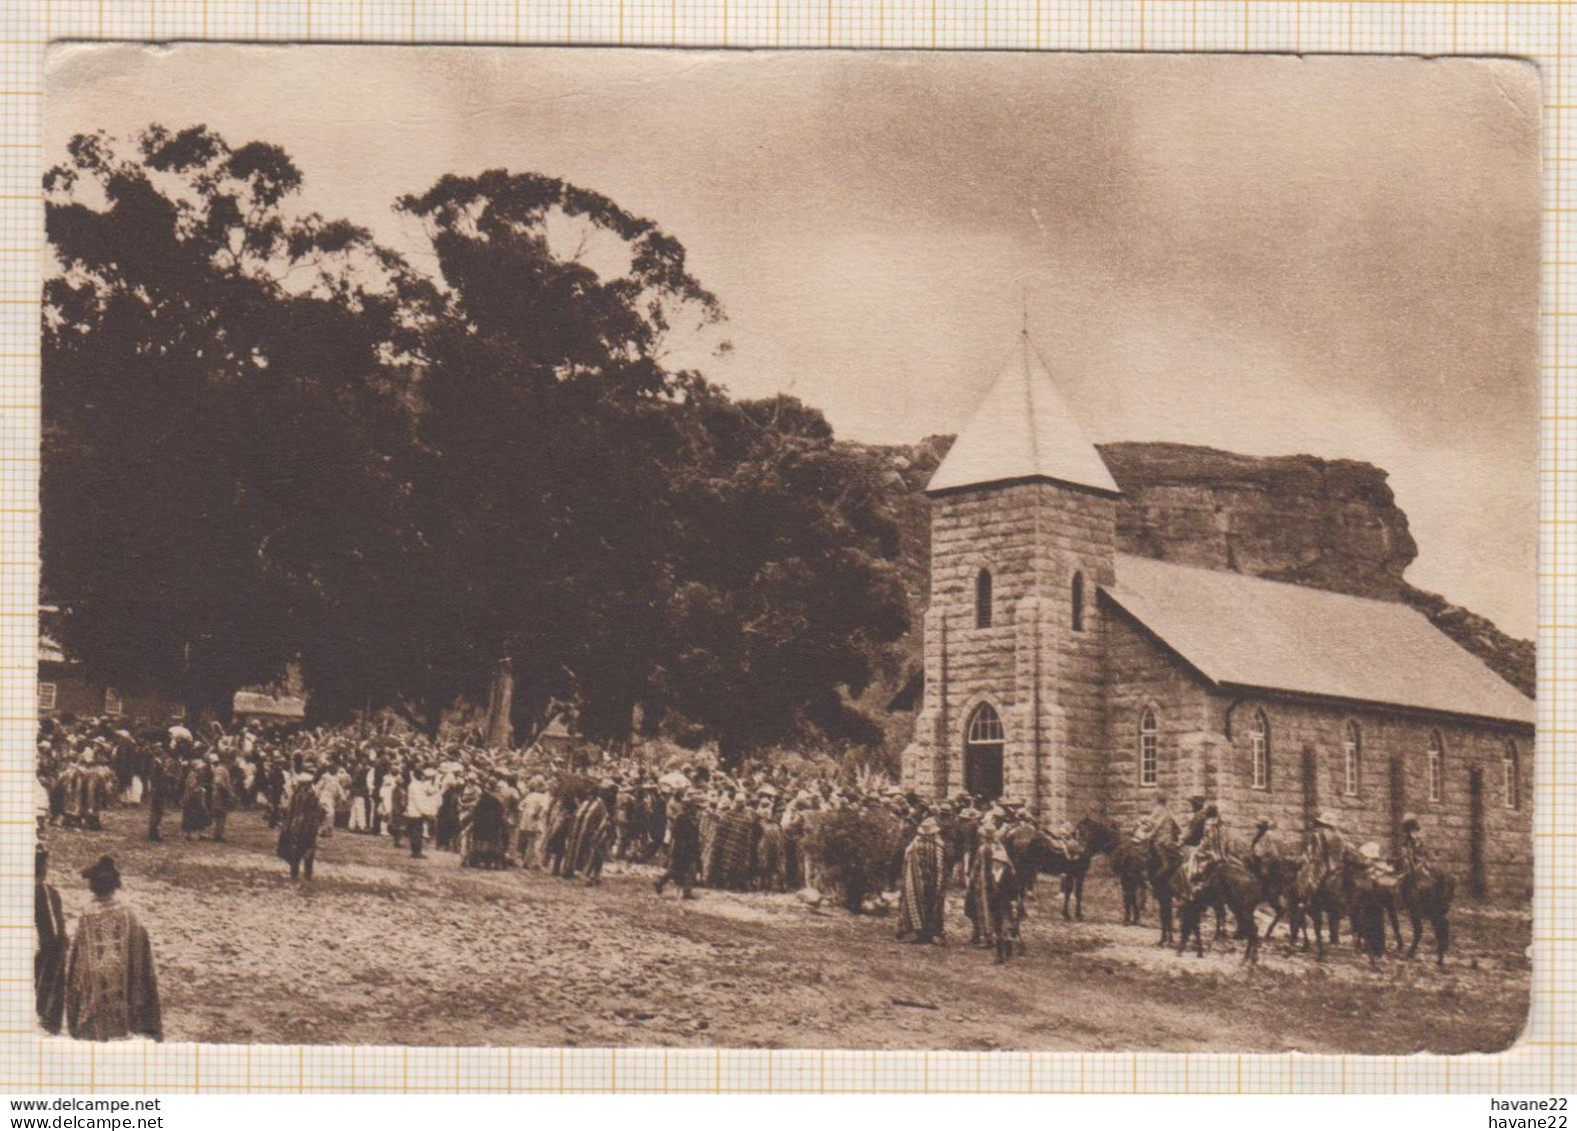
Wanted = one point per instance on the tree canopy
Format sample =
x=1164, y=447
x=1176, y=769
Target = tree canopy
x=269, y=439
x=219, y=405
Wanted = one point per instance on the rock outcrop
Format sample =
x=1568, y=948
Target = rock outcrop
x=1330, y=524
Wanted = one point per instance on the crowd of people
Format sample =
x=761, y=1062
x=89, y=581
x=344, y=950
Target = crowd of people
x=740, y=830
x=749, y=829
x=696, y=825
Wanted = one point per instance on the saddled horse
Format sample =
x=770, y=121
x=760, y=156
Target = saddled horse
x=1035, y=853
x=1278, y=877
x=1322, y=897
x=1426, y=893
x=1163, y=864
x=1227, y=883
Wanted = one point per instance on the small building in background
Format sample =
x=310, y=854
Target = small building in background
x=67, y=687
x=261, y=707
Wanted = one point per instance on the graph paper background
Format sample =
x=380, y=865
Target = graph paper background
x=1544, y=1061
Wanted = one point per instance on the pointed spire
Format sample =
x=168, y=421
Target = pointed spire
x=1023, y=429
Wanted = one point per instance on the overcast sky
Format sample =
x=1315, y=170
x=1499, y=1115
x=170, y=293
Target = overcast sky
x=1269, y=255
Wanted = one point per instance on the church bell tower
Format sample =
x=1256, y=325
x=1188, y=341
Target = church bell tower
x=1023, y=533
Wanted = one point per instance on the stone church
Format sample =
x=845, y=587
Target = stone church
x=1082, y=681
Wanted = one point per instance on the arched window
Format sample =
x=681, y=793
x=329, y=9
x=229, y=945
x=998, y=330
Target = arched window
x=1259, y=742
x=1511, y=771
x=983, y=599
x=1078, y=602
x=1352, y=761
x=983, y=749
x=985, y=725
x=1149, y=748
x=1437, y=766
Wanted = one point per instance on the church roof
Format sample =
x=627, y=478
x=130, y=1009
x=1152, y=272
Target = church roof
x=1247, y=632
x=1023, y=429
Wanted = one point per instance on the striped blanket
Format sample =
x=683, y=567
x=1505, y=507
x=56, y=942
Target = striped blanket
x=589, y=834
x=731, y=863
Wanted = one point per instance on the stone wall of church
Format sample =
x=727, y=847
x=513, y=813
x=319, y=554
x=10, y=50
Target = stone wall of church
x=1141, y=676
x=1393, y=748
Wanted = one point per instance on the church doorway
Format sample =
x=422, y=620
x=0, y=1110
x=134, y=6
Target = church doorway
x=1475, y=832
x=983, y=743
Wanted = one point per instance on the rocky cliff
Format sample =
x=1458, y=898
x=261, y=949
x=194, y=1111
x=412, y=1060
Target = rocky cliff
x=1331, y=524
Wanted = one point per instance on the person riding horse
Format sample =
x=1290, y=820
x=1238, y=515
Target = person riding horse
x=1327, y=849
x=1206, y=842
x=1425, y=891
x=1415, y=857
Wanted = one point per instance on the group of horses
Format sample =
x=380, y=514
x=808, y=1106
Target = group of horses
x=1296, y=889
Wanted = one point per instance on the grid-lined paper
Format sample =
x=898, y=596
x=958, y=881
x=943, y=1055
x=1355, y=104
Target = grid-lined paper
x=1543, y=1061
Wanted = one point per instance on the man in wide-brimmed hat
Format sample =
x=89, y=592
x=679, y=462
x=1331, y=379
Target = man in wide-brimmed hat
x=1415, y=857
x=1327, y=847
x=684, y=840
x=992, y=899
x=533, y=820
x=298, y=834
x=112, y=989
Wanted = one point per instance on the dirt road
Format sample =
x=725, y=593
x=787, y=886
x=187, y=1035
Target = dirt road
x=382, y=949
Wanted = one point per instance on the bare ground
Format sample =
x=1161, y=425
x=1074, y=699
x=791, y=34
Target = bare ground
x=383, y=949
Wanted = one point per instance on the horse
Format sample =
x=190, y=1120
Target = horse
x=1278, y=877
x=1164, y=859
x=1322, y=897
x=1427, y=894
x=1035, y=853
x=1226, y=882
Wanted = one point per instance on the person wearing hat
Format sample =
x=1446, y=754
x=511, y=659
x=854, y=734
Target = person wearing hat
x=771, y=852
x=299, y=831
x=68, y=787
x=422, y=802
x=1196, y=821
x=97, y=784
x=49, y=960
x=1162, y=825
x=195, y=815
x=276, y=787
x=922, y=887
x=589, y=836
x=1415, y=857
x=112, y=989
x=992, y=899
x=684, y=837
x=1265, y=860
x=221, y=793
x=1327, y=849
x=534, y=808
x=1211, y=847
x=164, y=787
x=332, y=795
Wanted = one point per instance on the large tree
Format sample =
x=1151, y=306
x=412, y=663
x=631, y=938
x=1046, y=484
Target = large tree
x=222, y=409
x=631, y=536
x=551, y=427
x=268, y=439
x=789, y=588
